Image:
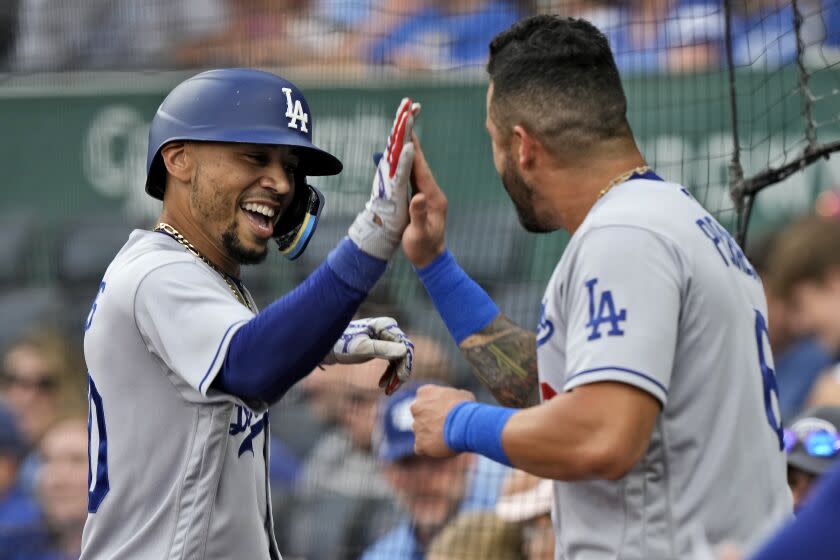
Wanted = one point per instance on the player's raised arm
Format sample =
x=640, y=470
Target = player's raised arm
x=332, y=293
x=502, y=354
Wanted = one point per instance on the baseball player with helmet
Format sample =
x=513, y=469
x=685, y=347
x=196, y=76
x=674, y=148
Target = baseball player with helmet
x=182, y=366
x=659, y=417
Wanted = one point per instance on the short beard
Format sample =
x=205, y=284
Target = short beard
x=522, y=197
x=211, y=208
x=237, y=252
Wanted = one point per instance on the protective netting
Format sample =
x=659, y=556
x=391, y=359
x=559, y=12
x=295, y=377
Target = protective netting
x=720, y=96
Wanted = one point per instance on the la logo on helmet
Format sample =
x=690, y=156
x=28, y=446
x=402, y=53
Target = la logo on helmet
x=295, y=112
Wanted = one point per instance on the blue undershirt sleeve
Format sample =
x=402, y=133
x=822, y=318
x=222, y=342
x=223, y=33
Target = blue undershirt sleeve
x=464, y=307
x=290, y=337
x=813, y=534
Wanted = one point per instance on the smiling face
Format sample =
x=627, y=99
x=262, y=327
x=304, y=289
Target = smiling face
x=430, y=488
x=237, y=193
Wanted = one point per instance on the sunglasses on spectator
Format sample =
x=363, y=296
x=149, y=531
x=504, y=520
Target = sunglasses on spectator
x=43, y=383
x=816, y=444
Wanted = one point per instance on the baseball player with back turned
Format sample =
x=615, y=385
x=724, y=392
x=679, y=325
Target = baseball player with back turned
x=659, y=408
x=182, y=366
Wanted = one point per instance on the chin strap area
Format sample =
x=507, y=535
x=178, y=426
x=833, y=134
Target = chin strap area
x=297, y=226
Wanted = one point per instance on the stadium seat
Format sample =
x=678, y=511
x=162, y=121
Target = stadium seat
x=17, y=232
x=86, y=248
x=24, y=309
x=83, y=251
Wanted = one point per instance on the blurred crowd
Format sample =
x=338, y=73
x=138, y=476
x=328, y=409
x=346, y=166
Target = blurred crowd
x=345, y=480
x=346, y=483
x=414, y=35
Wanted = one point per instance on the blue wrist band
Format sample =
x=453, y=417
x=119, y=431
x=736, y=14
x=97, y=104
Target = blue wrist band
x=478, y=428
x=464, y=307
x=358, y=269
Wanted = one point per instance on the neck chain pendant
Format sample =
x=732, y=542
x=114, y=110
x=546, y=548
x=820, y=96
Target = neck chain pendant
x=623, y=177
x=163, y=227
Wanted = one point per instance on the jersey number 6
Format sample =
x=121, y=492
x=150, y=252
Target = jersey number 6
x=768, y=377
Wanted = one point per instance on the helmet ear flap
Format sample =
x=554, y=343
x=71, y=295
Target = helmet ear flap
x=156, y=179
x=297, y=225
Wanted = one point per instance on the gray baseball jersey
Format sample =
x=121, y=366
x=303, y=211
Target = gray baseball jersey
x=653, y=292
x=177, y=469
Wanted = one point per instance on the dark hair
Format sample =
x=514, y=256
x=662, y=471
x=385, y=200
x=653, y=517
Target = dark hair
x=557, y=77
x=806, y=252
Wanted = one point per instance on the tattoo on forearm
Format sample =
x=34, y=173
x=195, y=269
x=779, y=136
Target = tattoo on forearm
x=503, y=356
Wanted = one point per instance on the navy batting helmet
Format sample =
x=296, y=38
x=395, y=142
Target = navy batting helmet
x=249, y=106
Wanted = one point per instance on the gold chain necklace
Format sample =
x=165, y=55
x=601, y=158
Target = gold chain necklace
x=163, y=227
x=623, y=177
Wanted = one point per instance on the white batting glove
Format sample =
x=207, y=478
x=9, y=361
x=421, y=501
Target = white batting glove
x=378, y=337
x=377, y=230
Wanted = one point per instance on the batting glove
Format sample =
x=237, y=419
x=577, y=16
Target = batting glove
x=378, y=228
x=378, y=337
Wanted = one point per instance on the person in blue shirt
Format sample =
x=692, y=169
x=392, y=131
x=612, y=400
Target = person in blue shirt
x=812, y=444
x=432, y=491
x=804, y=269
x=444, y=35
x=812, y=534
x=21, y=528
x=798, y=357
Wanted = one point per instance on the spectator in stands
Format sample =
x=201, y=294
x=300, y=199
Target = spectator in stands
x=42, y=378
x=812, y=443
x=21, y=530
x=693, y=36
x=798, y=357
x=63, y=487
x=635, y=30
x=341, y=471
x=526, y=500
x=480, y=535
x=56, y=35
x=445, y=34
x=342, y=461
x=355, y=26
x=338, y=505
x=432, y=491
x=813, y=446
x=805, y=267
x=257, y=33
x=763, y=34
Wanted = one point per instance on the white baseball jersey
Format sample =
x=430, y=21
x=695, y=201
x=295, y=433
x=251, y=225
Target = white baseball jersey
x=653, y=292
x=177, y=469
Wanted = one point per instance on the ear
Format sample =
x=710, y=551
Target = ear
x=525, y=147
x=177, y=161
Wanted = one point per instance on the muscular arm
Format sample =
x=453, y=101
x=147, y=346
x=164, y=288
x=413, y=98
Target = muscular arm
x=596, y=431
x=503, y=356
x=600, y=430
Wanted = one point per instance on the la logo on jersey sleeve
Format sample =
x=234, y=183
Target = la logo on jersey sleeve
x=606, y=312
